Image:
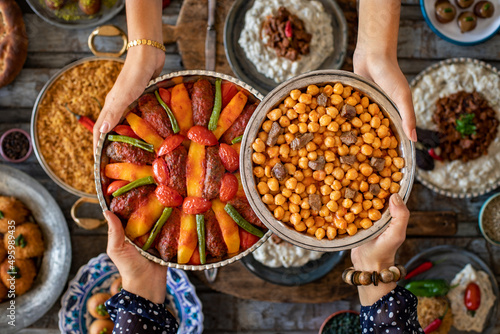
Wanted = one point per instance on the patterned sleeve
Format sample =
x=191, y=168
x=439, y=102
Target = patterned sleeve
x=396, y=312
x=133, y=314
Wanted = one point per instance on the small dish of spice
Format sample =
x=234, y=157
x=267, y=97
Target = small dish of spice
x=342, y=322
x=489, y=220
x=15, y=145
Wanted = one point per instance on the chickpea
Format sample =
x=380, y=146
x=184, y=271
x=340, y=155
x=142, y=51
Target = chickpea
x=368, y=196
x=386, y=172
x=305, y=98
x=279, y=199
x=311, y=146
x=338, y=88
x=311, y=189
x=309, y=222
x=313, y=127
x=324, y=211
x=367, y=205
x=351, y=101
x=258, y=158
x=365, y=117
x=263, y=188
x=293, y=208
x=347, y=203
x=366, y=169
x=363, y=186
x=279, y=213
x=274, y=114
x=305, y=206
x=368, y=138
x=258, y=145
x=356, y=208
x=386, y=122
x=366, y=150
x=302, y=152
x=383, y=131
x=377, y=203
x=268, y=199
x=373, y=109
x=273, y=152
x=375, y=122
x=303, y=118
x=286, y=192
x=343, y=150
x=340, y=223
x=291, y=183
x=394, y=142
x=374, y=214
x=347, y=92
x=374, y=178
x=300, y=227
x=394, y=188
x=272, y=207
x=346, y=127
x=351, y=174
x=303, y=163
x=319, y=175
x=284, y=121
x=336, y=99
x=345, y=182
x=335, y=195
x=294, y=94
x=385, y=183
x=286, y=217
x=296, y=199
x=377, y=153
x=313, y=116
x=295, y=218
x=267, y=171
x=338, y=173
x=383, y=194
x=365, y=223
x=311, y=230
x=351, y=229
x=349, y=217
x=325, y=120
x=331, y=232
x=376, y=143
x=320, y=233
x=266, y=126
x=359, y=109
x=396, y=177
x=258, y=171
x=356, y=122
x=299, y=108
x=365, y=128
x=398, y=162
x=385, y=143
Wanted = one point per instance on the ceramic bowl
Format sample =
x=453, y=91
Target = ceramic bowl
x=336, y=314
x=26, y=156
x=486, y=208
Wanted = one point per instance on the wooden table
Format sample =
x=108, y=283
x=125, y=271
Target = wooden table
x=51, y=48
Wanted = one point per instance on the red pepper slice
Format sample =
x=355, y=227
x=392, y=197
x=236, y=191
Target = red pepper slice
x=420, y=269
x=434, y=155
x=288, y=29
x=126, y=130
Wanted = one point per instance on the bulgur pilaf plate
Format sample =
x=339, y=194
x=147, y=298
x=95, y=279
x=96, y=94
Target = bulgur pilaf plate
x=63, y=146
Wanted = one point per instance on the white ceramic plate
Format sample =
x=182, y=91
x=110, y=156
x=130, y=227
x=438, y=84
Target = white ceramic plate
x=450, y=32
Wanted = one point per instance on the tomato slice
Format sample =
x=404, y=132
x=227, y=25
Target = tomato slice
x=228, y=90
x=472, y=296
x=170, y=143
x=165, y=95
x=115, y=185
x=160, y=171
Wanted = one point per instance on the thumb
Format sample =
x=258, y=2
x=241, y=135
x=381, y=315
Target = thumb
x=116, y=235
x=400, y=216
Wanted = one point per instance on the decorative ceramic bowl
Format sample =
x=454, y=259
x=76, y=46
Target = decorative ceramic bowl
x=97, y=276
x=487, y=207
x=274, y=98
x=334, y=315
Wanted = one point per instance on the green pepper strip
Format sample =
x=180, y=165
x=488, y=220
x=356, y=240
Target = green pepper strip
x=231, y=211
x=134, y=184
x=428, y=288
x=1, y=215
x=170, y=114
x=132, y=141
x=237, y=140
x=200, y=229
x=214, y=118
x=156, y=229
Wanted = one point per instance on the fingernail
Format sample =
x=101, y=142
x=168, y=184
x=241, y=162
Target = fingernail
x=414, y=135
x=396, y=199
x=104, y=127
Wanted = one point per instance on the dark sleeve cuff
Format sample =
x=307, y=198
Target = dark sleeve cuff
x=396, y=312
x=126, y=302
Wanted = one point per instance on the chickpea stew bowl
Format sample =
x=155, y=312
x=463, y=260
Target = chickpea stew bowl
x=320, y=158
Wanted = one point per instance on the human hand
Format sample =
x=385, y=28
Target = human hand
x=139, y=275
x=385, y=72
x=380, y=252
x=141, y=65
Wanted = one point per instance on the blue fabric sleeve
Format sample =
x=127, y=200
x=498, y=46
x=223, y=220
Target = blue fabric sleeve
x=396, y=312
x=136, y=315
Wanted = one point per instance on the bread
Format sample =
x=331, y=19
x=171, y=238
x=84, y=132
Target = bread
x=13, y=41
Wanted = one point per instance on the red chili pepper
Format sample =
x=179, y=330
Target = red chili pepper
x=434, y=155
x=125, y=130
x=420, y=269
x=83, y=120
x=433, y=326
x=472, y=296
x=288, y=29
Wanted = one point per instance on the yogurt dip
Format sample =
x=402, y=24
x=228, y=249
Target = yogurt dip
x=316, y=21
x=457, y=176
x=283, y=254
x=462, y=319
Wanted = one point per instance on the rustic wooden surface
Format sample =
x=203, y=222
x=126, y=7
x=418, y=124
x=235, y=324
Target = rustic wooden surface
x=51, y=48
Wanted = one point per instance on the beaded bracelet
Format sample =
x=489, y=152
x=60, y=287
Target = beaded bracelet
x=149, y=42
x=355, y=277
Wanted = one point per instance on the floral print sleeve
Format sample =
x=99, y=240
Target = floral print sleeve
x=132, y=314
x=396, y=312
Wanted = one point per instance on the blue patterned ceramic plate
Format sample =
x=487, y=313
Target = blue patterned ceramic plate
x=97, y=276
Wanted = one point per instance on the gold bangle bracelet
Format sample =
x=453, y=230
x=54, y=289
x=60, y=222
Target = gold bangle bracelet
x=149, y=42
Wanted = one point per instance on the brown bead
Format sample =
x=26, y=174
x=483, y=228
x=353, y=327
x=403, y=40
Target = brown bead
x=344, y=274
x=365, y=278
x=386, y=276
x=402, y=270
x=355, y=278
x=395, y=272
x=348, y=277
x=375, y=278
